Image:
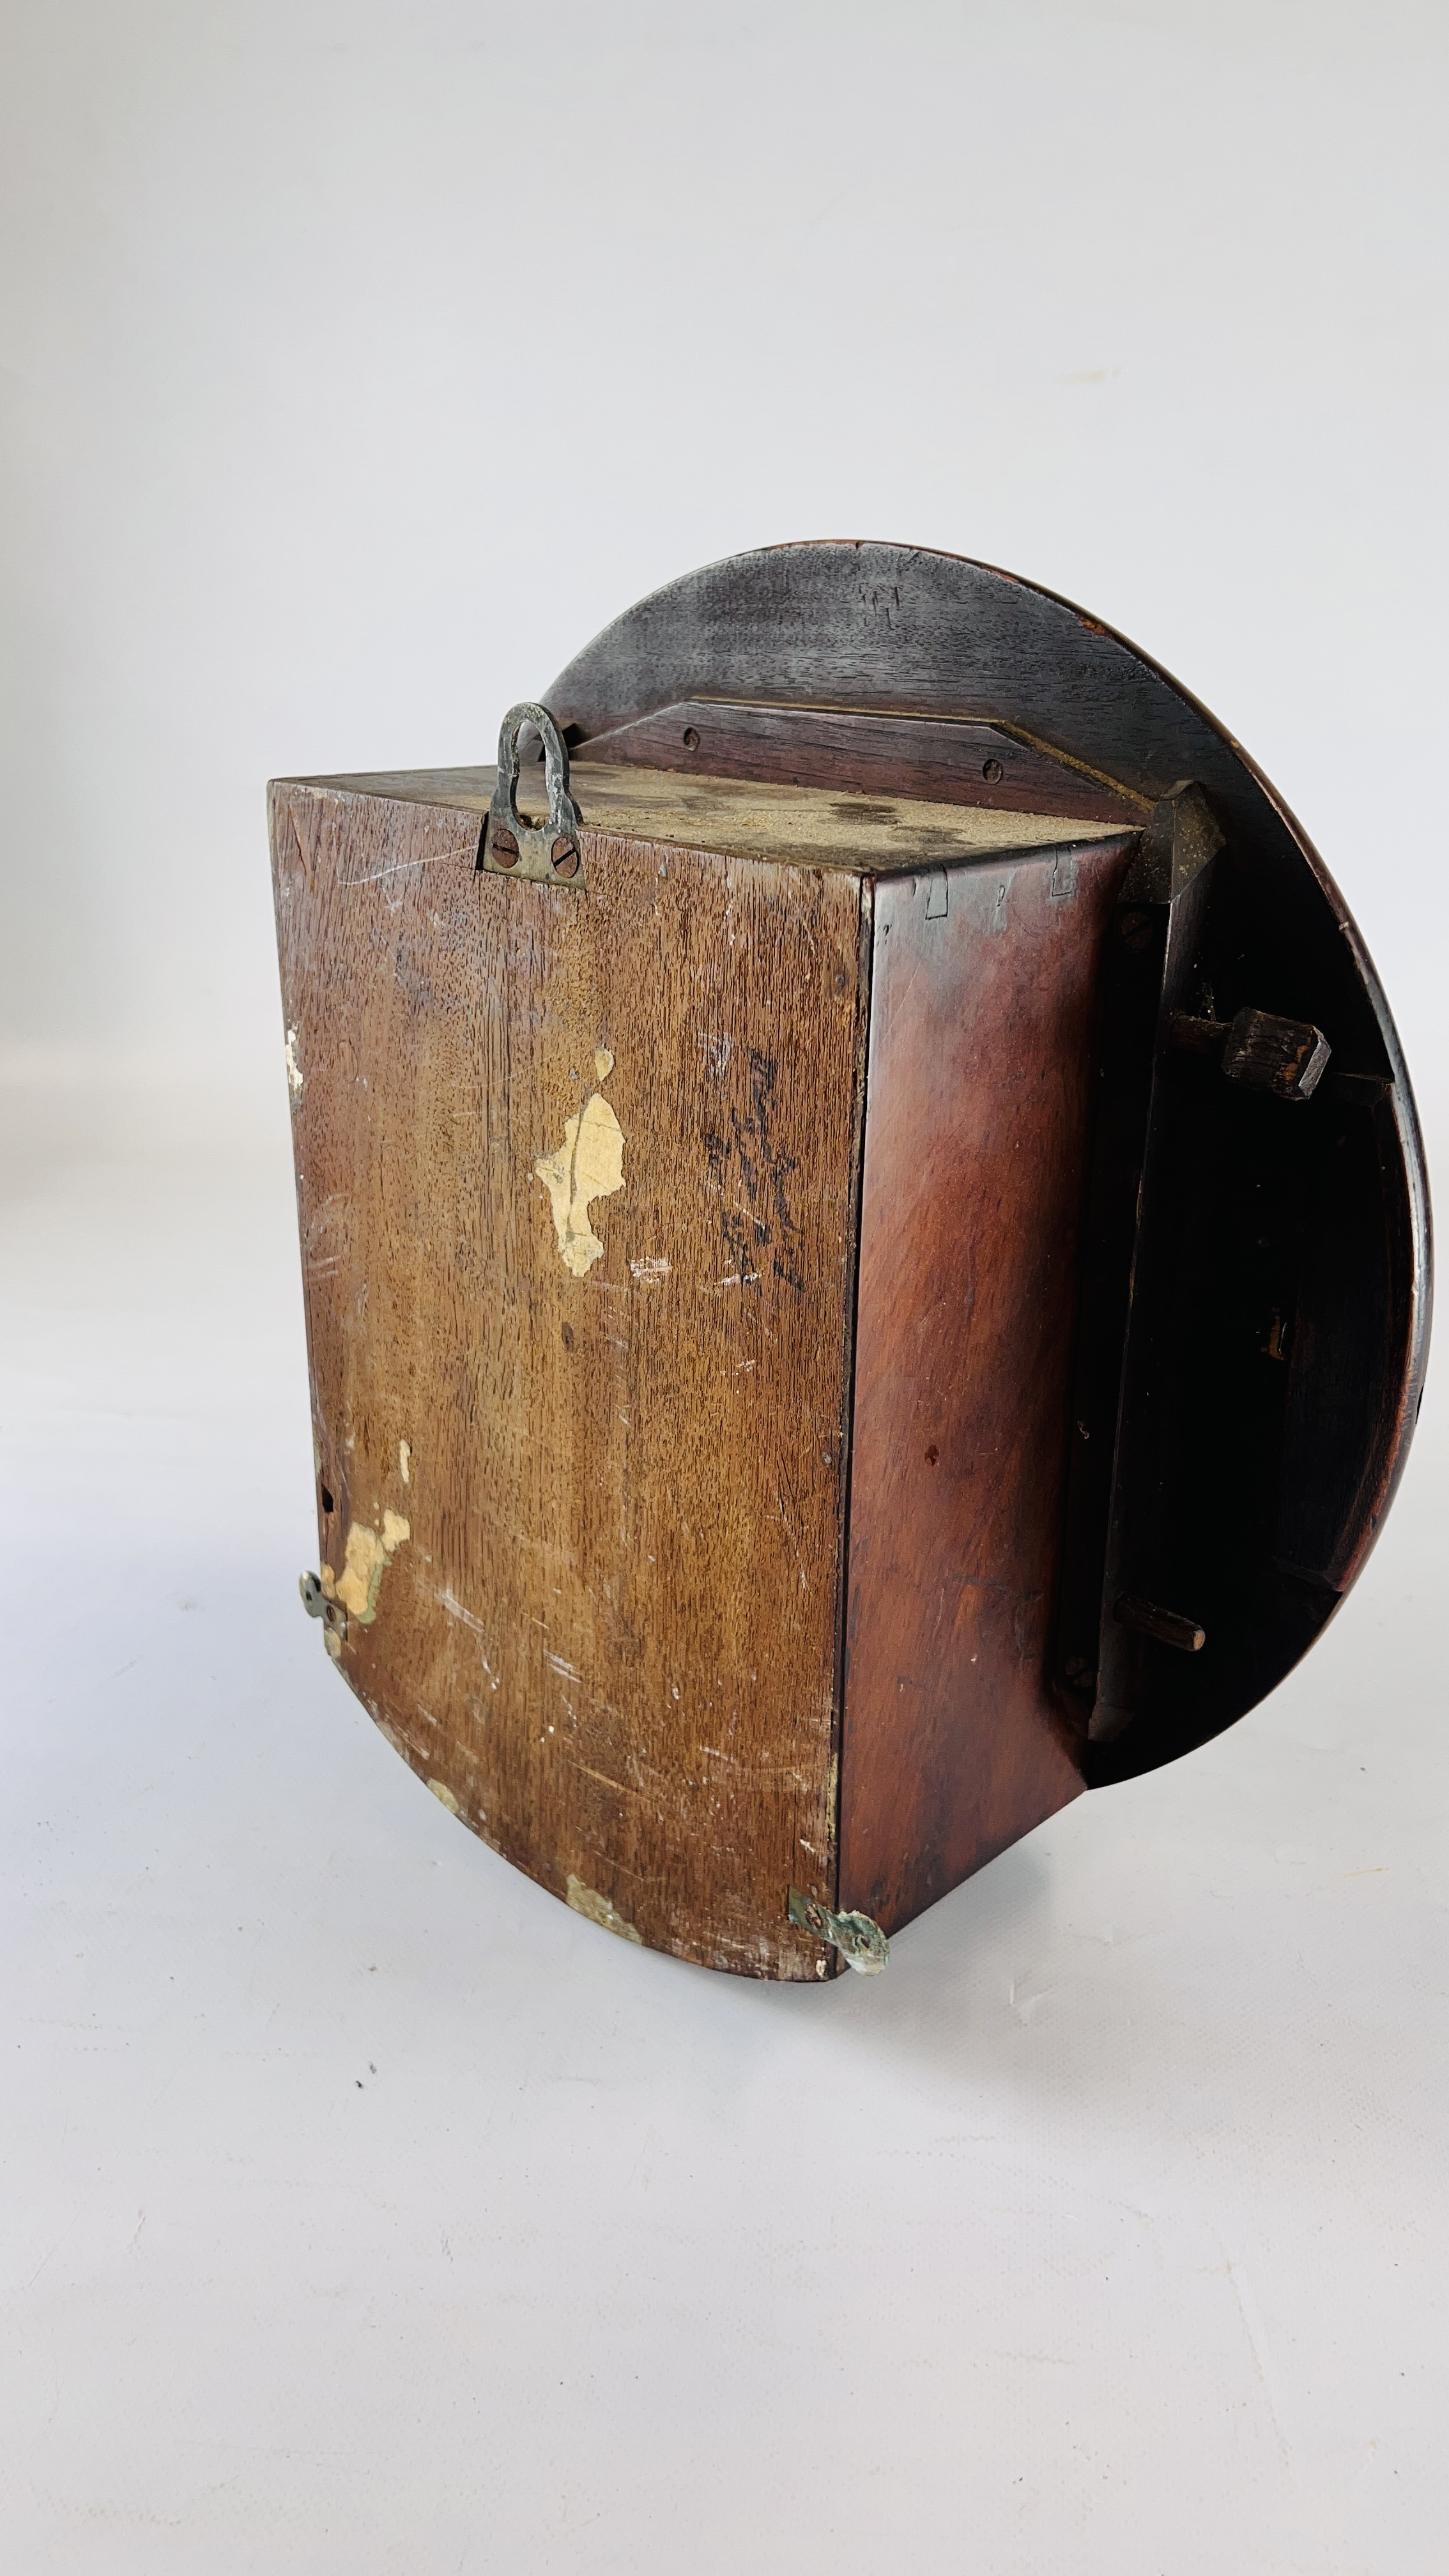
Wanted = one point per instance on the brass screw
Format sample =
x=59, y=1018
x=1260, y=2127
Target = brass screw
x=502, y=847
x=565, y=859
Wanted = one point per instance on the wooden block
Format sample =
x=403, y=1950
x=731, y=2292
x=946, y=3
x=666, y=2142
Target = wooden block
x=1286, y=1057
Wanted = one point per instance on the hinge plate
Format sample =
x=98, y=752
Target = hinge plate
x=549, y=853
x=318, y=1605
x=861, y=1943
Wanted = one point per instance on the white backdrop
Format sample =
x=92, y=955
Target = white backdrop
x=362, y=2209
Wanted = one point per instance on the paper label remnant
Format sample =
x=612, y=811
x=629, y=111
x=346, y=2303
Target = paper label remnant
x=599, y=1909
x=589, y=1165
x=366, y=1563
x=294, y=1070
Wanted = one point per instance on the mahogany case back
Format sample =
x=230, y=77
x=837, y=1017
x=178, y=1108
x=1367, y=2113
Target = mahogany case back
x=691, y=1263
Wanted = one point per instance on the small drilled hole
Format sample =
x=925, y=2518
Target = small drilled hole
x=691, y=739
x=328, y=1504
x=991, y=769
x=932, y=1455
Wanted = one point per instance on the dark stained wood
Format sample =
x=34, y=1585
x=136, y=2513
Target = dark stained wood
x=1129, y=1007
x=1198, y=1037
x=1156, y=1356
x=898, y=630
x=923, y=757
x=906, y=629
x=1286, y=1057
x=983, y=1021
x=1355, y=1290
x=1271, y=1306
x=584, y=1499
x=1365, y=1090
x=551, y=1502
x=1169, y=1627
x=608, y=1635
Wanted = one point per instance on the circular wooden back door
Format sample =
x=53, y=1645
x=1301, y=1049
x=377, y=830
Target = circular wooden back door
x=1253, y=1301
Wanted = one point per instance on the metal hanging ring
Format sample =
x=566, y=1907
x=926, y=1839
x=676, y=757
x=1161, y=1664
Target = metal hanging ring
x=547, y=852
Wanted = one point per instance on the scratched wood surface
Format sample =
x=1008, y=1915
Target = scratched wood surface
x=584, y=1509
x=769, y=819
x=981, y=1059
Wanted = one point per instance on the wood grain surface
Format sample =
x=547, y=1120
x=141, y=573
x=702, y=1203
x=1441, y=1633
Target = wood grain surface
x=616, y=1290
x=904, y=631
x=979, y=1105
x=584, y=1509
x=807, y=826
x=922, y=757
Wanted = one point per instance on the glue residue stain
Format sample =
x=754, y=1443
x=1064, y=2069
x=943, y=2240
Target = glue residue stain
x=364, y=1565
x=600, y=1910
x=589, y=1165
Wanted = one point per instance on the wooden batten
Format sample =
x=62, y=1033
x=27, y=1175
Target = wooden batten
x=943, y=760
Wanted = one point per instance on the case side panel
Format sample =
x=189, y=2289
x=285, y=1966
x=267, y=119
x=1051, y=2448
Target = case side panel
x=575, y=1187
x=978, y=1118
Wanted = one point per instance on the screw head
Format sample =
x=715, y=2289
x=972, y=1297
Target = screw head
x=502, y=847
x=565, y=859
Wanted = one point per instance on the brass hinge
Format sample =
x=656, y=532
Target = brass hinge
x=331, y=1613
x=861, y=1943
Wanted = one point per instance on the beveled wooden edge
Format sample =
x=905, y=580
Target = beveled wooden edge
x=952, y=760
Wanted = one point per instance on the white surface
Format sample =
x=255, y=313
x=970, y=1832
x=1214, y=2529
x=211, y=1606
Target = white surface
x=363, y=2210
